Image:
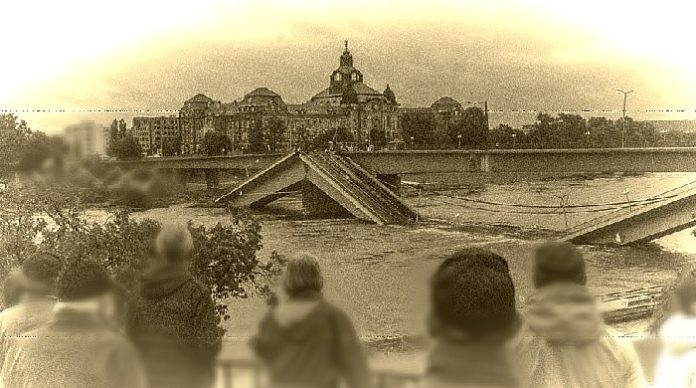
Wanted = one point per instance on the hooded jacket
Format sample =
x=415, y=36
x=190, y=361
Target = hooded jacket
x=310, y=344
x=465, y=365
x=565, y=343
x=73, y=349
x=676, y=366
x=173, y=324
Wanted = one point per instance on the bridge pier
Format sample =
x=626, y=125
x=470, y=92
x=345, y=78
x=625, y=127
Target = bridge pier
x=392, y=181
x=317, y=203
x=212, y=177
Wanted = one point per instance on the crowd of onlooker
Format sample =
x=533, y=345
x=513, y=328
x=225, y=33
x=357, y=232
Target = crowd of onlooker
x=68, y=324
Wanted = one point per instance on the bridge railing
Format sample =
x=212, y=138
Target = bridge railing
x=247, y=373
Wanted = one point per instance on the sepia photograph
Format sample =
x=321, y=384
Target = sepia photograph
x=361, y=194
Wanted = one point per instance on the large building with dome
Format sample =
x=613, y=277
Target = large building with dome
x=347, y=103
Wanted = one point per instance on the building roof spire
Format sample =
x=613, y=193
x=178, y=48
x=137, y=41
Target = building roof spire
x=346, y=44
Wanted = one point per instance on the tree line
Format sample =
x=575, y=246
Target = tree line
x=426, y=130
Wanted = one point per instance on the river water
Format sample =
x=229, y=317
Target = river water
x=378, y=274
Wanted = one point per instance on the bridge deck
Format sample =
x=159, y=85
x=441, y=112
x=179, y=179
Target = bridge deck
x=672, y=211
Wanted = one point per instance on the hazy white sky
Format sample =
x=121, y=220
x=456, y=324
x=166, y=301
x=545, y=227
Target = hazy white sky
x=137, y=55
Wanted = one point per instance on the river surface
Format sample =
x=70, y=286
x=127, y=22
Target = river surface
x=378, y=274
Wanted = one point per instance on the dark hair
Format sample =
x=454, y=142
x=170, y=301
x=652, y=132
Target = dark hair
x=303, y=277
x=42, y=268
x=478, y=257
x=685, y=293
x=83, y=279
x=472, y=292
x=558, y=262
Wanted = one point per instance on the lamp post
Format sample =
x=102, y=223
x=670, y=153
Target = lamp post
x=587, y=134
x=514, y=140
x=412, y=145
x=459, y=141
x=623, y=115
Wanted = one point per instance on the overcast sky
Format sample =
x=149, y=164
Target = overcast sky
x=136, y=55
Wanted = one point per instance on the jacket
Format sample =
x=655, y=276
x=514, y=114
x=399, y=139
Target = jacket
x=565, y=343
x=467, y=365
x=72, y=350
x=310, y=344
x=676, y=365
x=28, y=315
x=172, y=322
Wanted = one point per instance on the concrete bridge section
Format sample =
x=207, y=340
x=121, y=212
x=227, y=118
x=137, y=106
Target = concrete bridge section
x=350, y=182
x=671, y=212
x=461, y=161
x=330, y=184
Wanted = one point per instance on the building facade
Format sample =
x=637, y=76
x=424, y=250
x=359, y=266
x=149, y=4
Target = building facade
x=347, y=103
x=86, y=139
x=153, y=133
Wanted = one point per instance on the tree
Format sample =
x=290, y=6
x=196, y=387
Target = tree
x=171, y=146
x=122, y=129
x=215, y=143
x=257, y=140
x=127, y=148
x=338, y=135
x=472, y=127
x=419, y=129
x=378, y=138
x=40, y=149
x=504, y=136
x=14, y=135
x=301, y=139
x=275, y=131
x=225, y=256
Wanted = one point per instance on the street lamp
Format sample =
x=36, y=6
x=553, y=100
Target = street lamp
x=412, y=142
x=459, y=141
x=514, y=140
x=623, y=116
x=588, y=138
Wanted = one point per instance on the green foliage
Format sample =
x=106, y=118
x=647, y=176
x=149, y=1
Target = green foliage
x=419, y=129
x=504, y=136
x=473, y=128
x=225, y=257
x=39, y=149
x=378, y=138
x=215, y=143
x=338, y=135
x=301, y=139
x=257, y=139
x=126, y=148
x=171, y=146
x=14, y=135
x=275, y=131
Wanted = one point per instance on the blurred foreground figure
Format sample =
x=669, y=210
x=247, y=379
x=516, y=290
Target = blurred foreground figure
x=12, y=289
x=37, y=282
x=676, y=366
x=172, y=321
x=564, y=341
x=472, y=319
x=305, y=341
x=77, y=347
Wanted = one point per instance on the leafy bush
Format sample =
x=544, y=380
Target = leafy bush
x=225, y=257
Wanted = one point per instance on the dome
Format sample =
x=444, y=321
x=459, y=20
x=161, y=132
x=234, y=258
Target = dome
x=389, y=94
x=446, y=103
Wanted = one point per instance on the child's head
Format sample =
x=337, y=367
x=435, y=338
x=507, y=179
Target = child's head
x=685, y=293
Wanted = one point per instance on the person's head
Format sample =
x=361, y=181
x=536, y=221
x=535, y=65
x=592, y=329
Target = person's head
x=558, y=262
x=86, y=283
x=39, y=273
x=685, y=294
x=174, y=243
x=473, y=298
x=302, y=278
x=13, y=288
